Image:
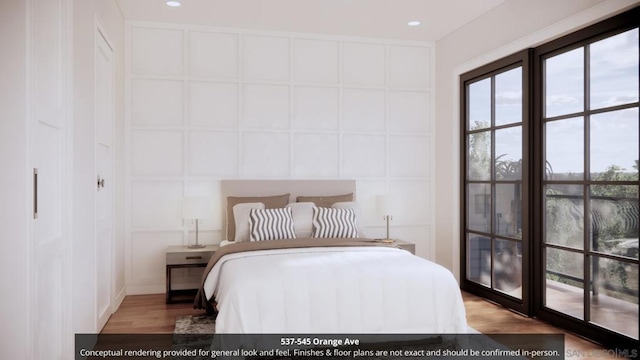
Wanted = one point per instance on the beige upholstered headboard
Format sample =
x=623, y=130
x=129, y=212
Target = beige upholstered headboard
x=278, y=187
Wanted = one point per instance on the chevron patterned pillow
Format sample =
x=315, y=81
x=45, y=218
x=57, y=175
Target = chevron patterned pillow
x=334, y=223
x=271, y=224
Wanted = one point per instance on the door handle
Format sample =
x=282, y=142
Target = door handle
x=35, y=193
x=100, y=183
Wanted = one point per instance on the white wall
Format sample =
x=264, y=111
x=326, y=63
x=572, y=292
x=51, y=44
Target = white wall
x=508, y=28
x=14, y=181
x=84, y=162
x=205, y=104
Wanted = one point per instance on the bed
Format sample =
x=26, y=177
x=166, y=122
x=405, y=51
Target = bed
x=320, y=284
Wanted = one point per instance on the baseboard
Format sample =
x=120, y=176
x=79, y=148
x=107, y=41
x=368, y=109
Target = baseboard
x=119, y=299
x=145, y=289
x=158, y=289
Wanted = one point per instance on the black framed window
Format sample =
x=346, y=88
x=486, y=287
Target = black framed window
x=587, y=147
x=496, y=172
x=567, y=202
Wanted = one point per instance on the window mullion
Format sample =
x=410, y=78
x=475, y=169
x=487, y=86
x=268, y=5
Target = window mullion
x=493, y=180
x=587, y=191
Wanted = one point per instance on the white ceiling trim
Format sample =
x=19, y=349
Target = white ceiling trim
x=360, y=18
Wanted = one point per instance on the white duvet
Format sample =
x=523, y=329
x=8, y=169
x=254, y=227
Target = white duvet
x=334, y=290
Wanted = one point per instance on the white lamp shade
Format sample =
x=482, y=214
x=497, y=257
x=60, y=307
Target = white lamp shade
x=197, y=208
x=382, y=205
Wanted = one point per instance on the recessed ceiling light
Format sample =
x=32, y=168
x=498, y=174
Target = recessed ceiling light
x=173, y=3
x=413, y=23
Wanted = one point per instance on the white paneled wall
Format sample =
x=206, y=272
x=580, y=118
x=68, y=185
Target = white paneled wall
x=205, y=104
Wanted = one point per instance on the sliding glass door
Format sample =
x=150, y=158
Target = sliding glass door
x=590, y=146
x=495, y=179
x=551, y=180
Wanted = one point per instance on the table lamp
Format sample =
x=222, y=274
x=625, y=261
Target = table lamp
x=382, y=205
x=196, y=208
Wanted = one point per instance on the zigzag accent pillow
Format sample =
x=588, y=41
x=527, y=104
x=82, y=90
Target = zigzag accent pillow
x=334, y=223
x=271, y=224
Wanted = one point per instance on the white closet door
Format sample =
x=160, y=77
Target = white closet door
x=48, y=58
x=104, y=82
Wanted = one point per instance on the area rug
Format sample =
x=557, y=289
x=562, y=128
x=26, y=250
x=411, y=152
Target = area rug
x=192, y=333
x=195, y=324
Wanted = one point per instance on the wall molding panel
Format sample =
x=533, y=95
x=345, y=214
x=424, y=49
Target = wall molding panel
x=205, y=104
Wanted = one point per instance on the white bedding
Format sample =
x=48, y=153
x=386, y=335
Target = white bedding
x=334, y=290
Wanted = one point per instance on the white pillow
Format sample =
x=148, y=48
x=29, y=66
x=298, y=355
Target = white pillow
x=302, y=218
x=241, y=215
x=353, y=205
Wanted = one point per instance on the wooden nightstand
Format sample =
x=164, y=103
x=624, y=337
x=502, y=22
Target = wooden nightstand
x=409, y=246
x=185, y=257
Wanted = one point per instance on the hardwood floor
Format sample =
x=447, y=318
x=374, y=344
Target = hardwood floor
x=487, y=317
x=150, y=315
x=147, y=314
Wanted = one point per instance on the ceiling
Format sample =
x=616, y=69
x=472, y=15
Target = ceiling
x=371, y=18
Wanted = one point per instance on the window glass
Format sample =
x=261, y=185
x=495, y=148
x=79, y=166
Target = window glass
x=564, y=83
x=479, y=106
x=614, y=145
x=613, y=70
x=564, y=143
x=508, y=97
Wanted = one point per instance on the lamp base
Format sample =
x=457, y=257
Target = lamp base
x=197, y=245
